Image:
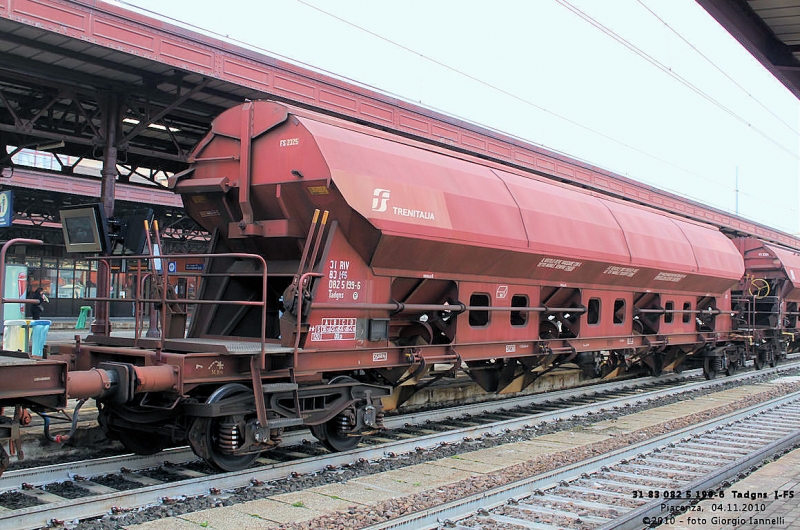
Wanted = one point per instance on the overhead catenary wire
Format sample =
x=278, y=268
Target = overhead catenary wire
x=504, y=91
x=573, y=122
x=455, y=70
x=669, y=71
x=716, y=67
x=474, y=79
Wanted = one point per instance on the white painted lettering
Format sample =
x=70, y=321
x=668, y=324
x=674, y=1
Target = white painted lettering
x=418, y=214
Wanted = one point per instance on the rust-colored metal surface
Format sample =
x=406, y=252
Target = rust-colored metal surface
x=35, y=379
x=417, y=263
x=450, y=256
x=790, y=261
x=765, y=262
x=112, y=29
x=430, y=211
x=88, y=383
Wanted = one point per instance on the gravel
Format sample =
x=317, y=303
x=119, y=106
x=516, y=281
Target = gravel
x=361, y=516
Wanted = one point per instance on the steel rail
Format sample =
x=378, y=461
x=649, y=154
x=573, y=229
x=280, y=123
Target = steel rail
x=38, y=476
x=37, y=516
x=633, y=519
x=576, y=393
x=487, y=500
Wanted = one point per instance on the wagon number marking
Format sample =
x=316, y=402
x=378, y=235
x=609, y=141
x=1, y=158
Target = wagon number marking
x=288, y=142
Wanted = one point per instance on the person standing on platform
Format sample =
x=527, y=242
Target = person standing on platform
x=36, y=309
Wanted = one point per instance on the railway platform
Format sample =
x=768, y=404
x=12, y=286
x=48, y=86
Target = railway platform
x=69, y=323
x=63, y=329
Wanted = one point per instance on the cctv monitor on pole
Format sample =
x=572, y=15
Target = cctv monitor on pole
x=85, y=229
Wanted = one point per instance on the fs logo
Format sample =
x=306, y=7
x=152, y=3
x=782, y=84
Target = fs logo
x=381, y=197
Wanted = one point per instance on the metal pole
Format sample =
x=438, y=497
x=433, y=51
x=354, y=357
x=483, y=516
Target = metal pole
x=153, y=331
x=110, y=116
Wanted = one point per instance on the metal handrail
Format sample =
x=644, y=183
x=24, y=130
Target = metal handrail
x=164, y=282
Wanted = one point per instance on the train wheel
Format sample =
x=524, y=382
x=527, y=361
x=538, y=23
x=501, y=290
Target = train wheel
x=711, y=367
x=731, y=369
x=758, y=363
x=657, y=367
x=138, y=441
x=335, y=433
x=219, y=437
x=5, y=460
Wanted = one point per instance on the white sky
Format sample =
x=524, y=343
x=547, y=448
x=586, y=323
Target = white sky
x=541, y=71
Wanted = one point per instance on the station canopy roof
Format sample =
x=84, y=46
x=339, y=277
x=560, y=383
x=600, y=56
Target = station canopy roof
x=768, y=29
x=55, y=89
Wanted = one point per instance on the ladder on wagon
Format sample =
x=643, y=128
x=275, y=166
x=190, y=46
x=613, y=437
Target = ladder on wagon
x=173, y=314
x=300, y=284
x=298, y=294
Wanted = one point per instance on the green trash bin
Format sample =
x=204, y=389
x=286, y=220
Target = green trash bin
x=83, y=317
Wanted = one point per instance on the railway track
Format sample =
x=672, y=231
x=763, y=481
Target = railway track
x=36, y=497
x=395, y=424
x=644, y=485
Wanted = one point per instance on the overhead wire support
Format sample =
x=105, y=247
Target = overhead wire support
x=655, y=62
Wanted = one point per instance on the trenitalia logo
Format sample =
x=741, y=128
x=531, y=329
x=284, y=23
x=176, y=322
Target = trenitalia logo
x=380, y=199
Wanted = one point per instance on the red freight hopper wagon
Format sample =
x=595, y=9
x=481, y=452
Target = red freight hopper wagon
x=766, y=301
x=350, y=268
x=431, y=258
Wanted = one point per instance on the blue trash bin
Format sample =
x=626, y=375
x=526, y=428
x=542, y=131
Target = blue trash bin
x=39, y=329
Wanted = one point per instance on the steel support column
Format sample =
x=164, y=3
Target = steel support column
x=110, y=119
